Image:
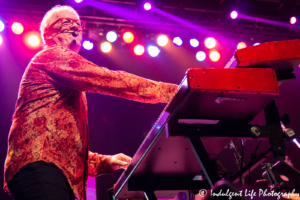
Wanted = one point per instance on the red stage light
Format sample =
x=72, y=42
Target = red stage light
x=17, y=28
x=241, y=45
x=293, y=20
x=214, y=56
x=162, y=40
x=139, y=50
x=106, y=47
x=34, y=41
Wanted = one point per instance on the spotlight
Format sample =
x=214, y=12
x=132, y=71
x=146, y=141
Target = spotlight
x=296, y=142
x=255, y=44
x=111, y=36
x=177, y=41
x=1, y=40
x=87, y=45
x=194, y=42
x=34, y=41
x=200, y=56
x=147, y=6
x=162, y=40
x=78, y=1
x=17, y=28
x=153, y=51
x=214, y=56
x=139, y=50
x=1, y=26
x=128, y=37
x=106, y=47
x=241, y=45
x=210, y=42
x=293, y=20
x=233, y=14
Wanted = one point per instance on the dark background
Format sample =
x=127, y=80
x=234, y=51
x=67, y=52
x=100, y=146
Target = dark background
x=118, y=125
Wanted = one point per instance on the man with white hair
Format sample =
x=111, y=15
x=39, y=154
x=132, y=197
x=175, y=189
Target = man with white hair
x=48, y=155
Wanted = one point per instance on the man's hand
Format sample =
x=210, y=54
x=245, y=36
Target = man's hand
x=120, y=161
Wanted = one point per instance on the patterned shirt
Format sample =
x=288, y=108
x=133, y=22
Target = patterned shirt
x=50, y=119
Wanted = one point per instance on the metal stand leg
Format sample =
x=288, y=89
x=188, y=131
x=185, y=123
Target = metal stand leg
x=277, y=137
x=203, y=158
x=150, y=195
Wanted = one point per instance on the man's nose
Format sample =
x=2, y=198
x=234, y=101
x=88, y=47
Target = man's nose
x=75, y=25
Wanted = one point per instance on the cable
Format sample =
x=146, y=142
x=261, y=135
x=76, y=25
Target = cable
x=242, y=158
x=249, y=180
x=257, y=146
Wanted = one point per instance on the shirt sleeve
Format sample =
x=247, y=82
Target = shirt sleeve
x=70, y=69
x=99, y=164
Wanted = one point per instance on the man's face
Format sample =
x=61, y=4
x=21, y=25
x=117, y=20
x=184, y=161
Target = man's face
x=66, y=39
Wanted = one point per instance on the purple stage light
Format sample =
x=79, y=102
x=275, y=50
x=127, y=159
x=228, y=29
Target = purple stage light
x=78, y=1
x=147, y=6
x=87, y=45
x=293, y=20
x=233, y=14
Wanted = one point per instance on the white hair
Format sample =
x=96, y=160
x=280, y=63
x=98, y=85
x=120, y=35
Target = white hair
x=47, y=18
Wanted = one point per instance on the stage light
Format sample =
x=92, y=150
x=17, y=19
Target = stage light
x=241, y=45
x=210, y=42
x=194, y=42
x=34, y=41
x=153, y=51
x=147, y=6
x=106, y=47
x=200, y=56
x=177, y=41
x=255, y=44
x=139, y=50
x=214, y=56
x=78, y=1
x=111, y=36
x=293, y=20
x=128, y=37
x=162, y=40
x=87, y=45
x=1, y=40
x=233, y=14
x=1, y=26
x=296, y=142
x=17, y=28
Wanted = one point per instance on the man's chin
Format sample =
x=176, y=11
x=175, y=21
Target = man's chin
x=75, y=46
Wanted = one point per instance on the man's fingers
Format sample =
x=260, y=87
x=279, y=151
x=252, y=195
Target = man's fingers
x=119, y=162
x=124, y=158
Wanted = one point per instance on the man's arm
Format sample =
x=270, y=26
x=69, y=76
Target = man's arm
x=101, y=164
x=71, y=70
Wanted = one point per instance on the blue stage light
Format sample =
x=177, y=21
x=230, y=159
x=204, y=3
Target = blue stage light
x=194, y=42
x=256, y=44
x=1, y=26
x=177, y=41
x=153, y=51
x=88, y=45
x=200, y=55
x=111, y=36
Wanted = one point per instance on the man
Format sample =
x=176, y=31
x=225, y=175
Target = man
x=48, y=155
